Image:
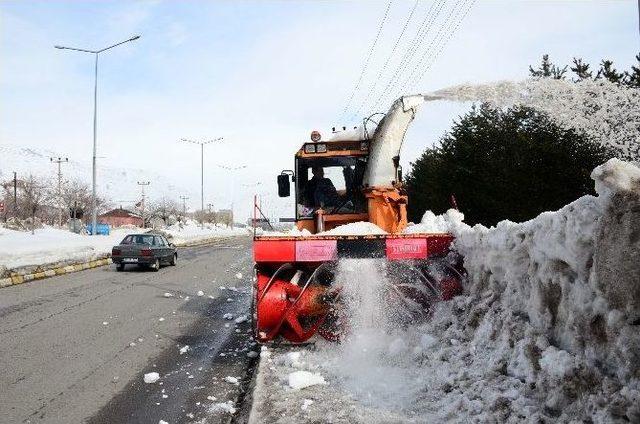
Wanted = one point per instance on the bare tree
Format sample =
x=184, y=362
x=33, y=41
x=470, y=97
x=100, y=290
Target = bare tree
x=76, y=197
x=33, y=197
x=164, y=209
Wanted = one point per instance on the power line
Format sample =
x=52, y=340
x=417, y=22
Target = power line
x=442, y=45
x=416, y=43
x=438, y=42
x=386, y=63
x=368, y=58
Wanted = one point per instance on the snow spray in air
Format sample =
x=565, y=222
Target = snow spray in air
x=606, y=113
x=372, y=360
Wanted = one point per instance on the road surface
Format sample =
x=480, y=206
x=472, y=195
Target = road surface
x=75, y=348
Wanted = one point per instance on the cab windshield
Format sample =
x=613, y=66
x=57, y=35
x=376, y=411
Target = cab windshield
x=332, y=184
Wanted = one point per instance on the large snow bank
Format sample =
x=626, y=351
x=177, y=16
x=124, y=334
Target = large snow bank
x=547, y=330
x=51, y=245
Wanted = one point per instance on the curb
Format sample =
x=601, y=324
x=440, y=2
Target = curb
x=16, y=278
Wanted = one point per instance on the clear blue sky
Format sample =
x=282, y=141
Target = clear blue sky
x=262, y=74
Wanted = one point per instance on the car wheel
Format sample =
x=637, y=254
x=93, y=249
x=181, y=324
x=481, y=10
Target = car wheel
x=119, y=267
x=156, y=265
x=174, y=259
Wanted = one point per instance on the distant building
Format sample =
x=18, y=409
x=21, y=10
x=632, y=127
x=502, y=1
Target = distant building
x=119, y=217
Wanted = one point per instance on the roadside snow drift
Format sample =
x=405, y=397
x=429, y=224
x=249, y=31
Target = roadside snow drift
x=548, y=328
x=51, y=245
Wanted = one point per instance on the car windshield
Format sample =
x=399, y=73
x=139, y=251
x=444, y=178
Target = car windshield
x=138, y=239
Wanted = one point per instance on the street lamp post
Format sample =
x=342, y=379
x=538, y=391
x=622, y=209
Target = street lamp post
x=202, y=144
x=94, y=214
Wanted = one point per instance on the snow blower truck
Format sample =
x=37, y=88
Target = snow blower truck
x=347, y=179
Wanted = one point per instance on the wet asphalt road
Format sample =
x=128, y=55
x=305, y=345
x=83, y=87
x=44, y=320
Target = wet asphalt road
x=75, y=348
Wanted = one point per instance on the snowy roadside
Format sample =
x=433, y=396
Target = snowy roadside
x=50, y=247
x=191, y=232
x=547, y=329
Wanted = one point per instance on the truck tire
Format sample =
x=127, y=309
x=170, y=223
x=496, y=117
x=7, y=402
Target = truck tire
x=119, y=267
x=174, y=259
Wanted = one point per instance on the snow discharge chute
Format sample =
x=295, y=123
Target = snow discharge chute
x=296, y=292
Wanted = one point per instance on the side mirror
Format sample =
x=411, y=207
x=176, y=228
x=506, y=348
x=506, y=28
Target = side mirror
x=284, y=187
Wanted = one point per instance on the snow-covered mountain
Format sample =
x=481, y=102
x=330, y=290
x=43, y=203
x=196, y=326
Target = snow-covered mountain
x=118, y=185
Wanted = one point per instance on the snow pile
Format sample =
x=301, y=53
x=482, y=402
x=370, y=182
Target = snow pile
x=431, y=223
x=191, y=231
x=51, y=245
x=604, y=111
x=355, y=229
x=352, y=229
x=547, y=329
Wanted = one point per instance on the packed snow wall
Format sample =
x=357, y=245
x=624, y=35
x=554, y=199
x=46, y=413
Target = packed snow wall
x=555, y=303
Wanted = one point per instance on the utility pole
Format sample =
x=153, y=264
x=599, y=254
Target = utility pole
x=94, y=216
x=142, y=184
x=184, y=205
x=202, y=143
x=59, y=161
x=15, y=194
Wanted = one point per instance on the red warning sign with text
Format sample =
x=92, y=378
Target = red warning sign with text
x=406, y=248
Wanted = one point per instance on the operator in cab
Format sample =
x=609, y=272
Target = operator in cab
x=320, y=191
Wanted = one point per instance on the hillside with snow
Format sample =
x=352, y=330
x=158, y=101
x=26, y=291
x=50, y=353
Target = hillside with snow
x=118, y=185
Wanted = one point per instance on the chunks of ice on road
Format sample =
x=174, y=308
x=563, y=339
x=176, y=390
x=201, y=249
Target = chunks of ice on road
x=228, y=316
x=227, y=406
x=162, y=422
x=291, y=359
x=184, y=349
x=240, y=319
x=303, y=379
x=239, y=276
x=200, y=293
x=105, y=323
x=151, y=377
x=306, y=404
x=161, y=319
x=232, y=380
x=167, y=294
x=252, y=354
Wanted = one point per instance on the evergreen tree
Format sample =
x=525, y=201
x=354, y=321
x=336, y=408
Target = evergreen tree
x=607, y=71
x=547, y=69
x=511, y=164
x=581, y=70
x=633, y=78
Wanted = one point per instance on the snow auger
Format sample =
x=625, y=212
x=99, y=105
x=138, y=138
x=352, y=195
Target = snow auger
x=296, y=294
